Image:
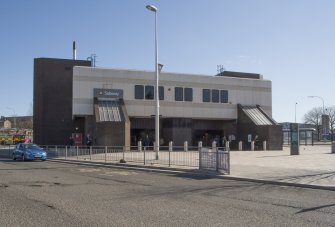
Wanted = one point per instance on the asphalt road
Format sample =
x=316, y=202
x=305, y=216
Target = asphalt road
x=58, y=194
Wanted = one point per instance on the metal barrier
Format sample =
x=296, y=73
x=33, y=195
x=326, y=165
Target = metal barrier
x=171, y=156
x=146, y=156
x=214, y=159
x=6, y=151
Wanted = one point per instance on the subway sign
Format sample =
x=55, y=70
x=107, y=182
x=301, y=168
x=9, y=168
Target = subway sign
x=108, y=93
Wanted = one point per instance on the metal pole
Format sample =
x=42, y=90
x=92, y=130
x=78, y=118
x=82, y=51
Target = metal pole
x=295, y=113
x=157, y=91
x=90, y=152
x=199, y=150
x=154, y=9
x=105, y=153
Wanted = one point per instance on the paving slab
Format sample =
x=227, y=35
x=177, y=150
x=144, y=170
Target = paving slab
x=314, y=166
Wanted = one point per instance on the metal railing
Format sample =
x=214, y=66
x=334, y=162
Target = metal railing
x=145, y=155
x=216, y=159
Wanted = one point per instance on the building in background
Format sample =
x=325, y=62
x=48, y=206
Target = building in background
x=117, y=106
x=15, y=129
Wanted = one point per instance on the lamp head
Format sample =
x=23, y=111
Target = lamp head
x=160, y=66
x=152, y=8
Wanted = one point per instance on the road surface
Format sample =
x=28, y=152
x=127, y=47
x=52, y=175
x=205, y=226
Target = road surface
x=58, y=194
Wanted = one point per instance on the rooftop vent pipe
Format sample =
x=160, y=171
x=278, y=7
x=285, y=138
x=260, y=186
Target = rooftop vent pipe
x=74, y=50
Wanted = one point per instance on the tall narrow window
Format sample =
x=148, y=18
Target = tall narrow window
x=215, y=96
x=206, y=95
x=161, y=92
x=178, y=94
x=224, y=96
x=188, y=94
x=139, y=92
x=149, y=92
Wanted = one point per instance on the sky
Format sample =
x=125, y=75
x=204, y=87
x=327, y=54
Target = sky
x=291, y=43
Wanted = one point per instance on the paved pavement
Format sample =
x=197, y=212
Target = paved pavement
x=314, y=166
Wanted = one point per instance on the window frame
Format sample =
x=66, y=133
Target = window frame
x=181, y=92
x=152, y=89
x=141, y=92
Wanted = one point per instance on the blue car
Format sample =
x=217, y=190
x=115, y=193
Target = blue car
x=29, y=151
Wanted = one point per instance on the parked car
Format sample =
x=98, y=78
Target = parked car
x=29, y=151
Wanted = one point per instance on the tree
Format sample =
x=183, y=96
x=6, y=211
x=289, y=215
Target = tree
x=313, y=117
x=331, y=112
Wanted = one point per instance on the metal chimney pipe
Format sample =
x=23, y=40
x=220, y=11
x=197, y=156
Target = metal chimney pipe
x=74, y=50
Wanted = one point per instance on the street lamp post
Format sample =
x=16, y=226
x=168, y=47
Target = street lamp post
x=154, y=9
x=295, y=113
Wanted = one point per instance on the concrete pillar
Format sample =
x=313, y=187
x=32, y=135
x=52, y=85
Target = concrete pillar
x=139, y=146
x=252, y=145
x=333, y=147
x=240, y=146
x=185, y=146
x=264, y=145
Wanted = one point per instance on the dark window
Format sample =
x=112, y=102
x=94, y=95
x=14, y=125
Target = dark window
x=206, y=95
x=224, y=96
x=149, y=92
x=188, y=94
x=139, y=92
x=178, y=94
x=215, y=95
x=161, y=93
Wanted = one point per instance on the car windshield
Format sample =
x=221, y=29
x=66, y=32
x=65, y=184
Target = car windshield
x=30, y=146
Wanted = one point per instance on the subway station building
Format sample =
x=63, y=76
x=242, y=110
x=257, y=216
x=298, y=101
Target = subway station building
x=116, y=107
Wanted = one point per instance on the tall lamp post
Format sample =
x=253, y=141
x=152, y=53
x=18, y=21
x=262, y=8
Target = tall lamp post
x=295, y=113
x=154, y=9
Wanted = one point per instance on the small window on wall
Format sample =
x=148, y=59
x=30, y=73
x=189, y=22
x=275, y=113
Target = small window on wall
x=139, y=92
x=149, y=92
x=178, y=94
x=161, y=92
x=206, y=95
x=188, y=94
x=215, y=96
x=224, y=96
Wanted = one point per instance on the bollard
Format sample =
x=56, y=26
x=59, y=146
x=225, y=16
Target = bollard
x=185, y=146
x=333, y=147
x=240, y=145
x=227, y=146
x=139, y=146
x=252, y=145
x=170, y=149
x=213, y=145
x=264, y=145
x=170, y=146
